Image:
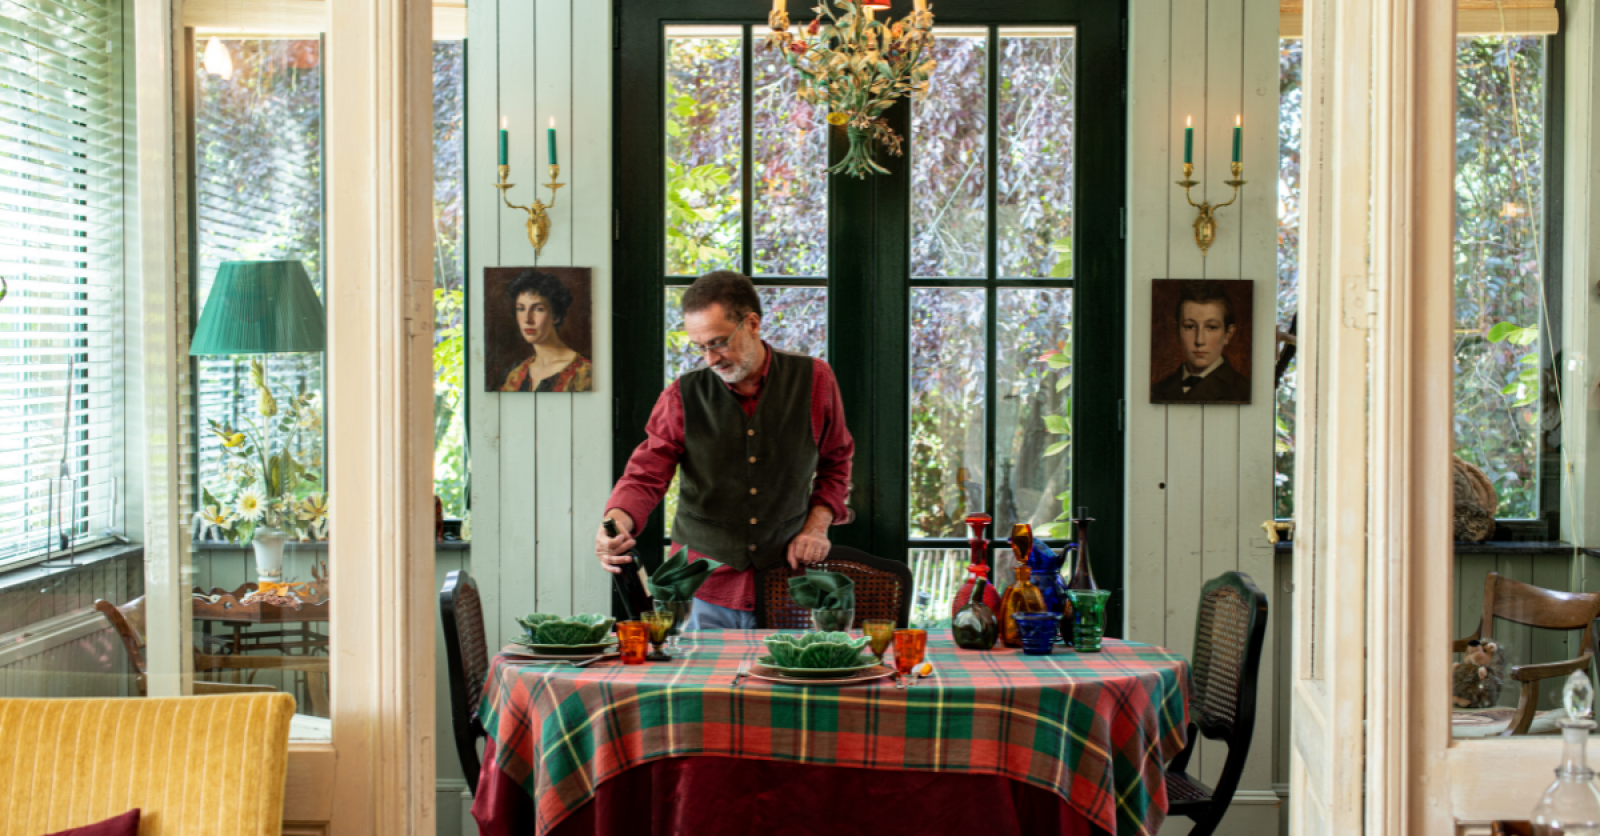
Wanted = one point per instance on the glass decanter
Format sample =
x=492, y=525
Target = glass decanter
x=1572, y=804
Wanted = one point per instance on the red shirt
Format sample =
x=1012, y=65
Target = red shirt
x=655, y=461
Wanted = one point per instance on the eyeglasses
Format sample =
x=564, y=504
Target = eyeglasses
x=717, y=347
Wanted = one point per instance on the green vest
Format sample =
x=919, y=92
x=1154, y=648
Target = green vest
x=744, y=484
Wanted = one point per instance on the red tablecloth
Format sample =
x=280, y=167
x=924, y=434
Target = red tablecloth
x=717, y=796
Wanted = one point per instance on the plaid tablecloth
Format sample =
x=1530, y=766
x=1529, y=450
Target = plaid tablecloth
x=1095, y=728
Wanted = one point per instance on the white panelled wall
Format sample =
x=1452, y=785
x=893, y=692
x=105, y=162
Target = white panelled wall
x=541, y=464
x=1199, y=478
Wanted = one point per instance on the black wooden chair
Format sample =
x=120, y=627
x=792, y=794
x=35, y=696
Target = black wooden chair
x=468, y=655
x=1227, y=661
x=883, y=590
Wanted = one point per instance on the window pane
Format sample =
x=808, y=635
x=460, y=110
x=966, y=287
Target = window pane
x=947, y=409
x=936, y=576
x=792, y=319
x=703, y=130
x=948, y=156
x=450, y=433
x=61, y=338
x=1289, y=110
x=791, y=194
x=261, y=124
x=1499, y=266
x=1036, y=135
x=1035, y=410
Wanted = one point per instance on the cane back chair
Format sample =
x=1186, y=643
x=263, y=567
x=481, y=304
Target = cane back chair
x=1227, y=662
x=882, y=587
x=467, y=653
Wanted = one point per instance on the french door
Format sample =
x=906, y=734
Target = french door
x=970, y=301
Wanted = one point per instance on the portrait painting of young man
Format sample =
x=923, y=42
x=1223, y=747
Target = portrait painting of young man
x=1200, y=341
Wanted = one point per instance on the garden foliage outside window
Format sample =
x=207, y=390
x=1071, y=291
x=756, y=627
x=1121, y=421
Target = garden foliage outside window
x=1502, y=405
x=259, y=195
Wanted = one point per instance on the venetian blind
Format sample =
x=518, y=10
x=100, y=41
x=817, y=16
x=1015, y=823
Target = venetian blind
x=61, y=207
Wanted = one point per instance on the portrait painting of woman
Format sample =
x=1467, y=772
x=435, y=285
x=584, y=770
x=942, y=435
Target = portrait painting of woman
x=537, y=329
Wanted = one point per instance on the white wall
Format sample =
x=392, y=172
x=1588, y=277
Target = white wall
x=1200, y=477
x=541, y=464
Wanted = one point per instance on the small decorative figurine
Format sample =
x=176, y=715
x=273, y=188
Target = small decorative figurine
x=1476, y=680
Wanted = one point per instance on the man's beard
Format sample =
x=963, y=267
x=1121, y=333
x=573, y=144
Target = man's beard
x=737, y=372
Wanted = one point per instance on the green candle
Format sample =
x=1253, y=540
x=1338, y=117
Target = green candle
x=551, y=136
x=1238, y=130
x=503, y=146
x=1188, y=140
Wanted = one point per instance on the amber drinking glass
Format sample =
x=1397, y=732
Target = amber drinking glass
x=909, y=646
x=880, y=634
x=660, y=623
x=635, y=640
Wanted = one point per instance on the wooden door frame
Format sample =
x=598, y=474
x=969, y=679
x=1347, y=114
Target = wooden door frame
x=1417, y=780
x=380, y=408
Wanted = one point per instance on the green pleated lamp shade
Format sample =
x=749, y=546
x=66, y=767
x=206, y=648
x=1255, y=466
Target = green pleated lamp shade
x=260, y=307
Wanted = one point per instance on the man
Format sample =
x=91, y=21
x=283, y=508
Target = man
x=1204, y=326
x=759, y=443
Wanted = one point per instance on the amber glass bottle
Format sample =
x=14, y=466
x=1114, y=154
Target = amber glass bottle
x=1023, y=596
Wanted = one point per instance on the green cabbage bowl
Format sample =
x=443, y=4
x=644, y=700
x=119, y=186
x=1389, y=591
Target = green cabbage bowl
x=587, y=628
x=816, y=650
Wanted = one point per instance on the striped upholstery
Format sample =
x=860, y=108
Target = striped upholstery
x=196, y=766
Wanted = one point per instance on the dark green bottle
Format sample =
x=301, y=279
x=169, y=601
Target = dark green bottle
x=975, y=626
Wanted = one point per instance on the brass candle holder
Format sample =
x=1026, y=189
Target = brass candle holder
x=1205, y=223
x=538, y=216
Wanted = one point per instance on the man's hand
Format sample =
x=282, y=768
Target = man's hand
x=811, y=544
x=613, y=551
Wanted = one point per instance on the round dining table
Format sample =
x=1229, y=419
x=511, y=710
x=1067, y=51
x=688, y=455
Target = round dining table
x=991, y=742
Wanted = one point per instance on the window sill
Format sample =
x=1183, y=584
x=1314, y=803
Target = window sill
x=34, y=571
x=314, y=545
x=1505, y=547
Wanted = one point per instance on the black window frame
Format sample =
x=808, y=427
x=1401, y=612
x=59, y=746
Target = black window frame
x=869, y=297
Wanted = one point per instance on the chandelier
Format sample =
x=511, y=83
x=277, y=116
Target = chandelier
x=857, y=67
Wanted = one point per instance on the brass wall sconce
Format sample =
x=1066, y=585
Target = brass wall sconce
x=1205, y=223
x=538, y=216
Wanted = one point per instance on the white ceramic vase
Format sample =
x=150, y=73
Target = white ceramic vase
x=268, y=544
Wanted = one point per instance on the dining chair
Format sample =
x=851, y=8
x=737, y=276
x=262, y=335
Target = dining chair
x=1227, y=662
x=882, y=587
x=467, y=652
x=1546, y=609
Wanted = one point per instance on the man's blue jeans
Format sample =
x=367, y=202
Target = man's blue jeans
x=712, y=617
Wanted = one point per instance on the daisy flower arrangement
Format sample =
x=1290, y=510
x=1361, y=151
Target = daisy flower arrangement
x=271, y=477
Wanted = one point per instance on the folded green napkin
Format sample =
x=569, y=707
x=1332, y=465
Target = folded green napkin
x=818, y=590
x=678, y=579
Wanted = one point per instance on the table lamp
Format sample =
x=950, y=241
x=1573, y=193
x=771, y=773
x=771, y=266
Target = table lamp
x=260, y=307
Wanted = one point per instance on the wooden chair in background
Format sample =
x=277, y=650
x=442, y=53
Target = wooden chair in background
x=1546, y=609
x=128, y=621
x=883, y=590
